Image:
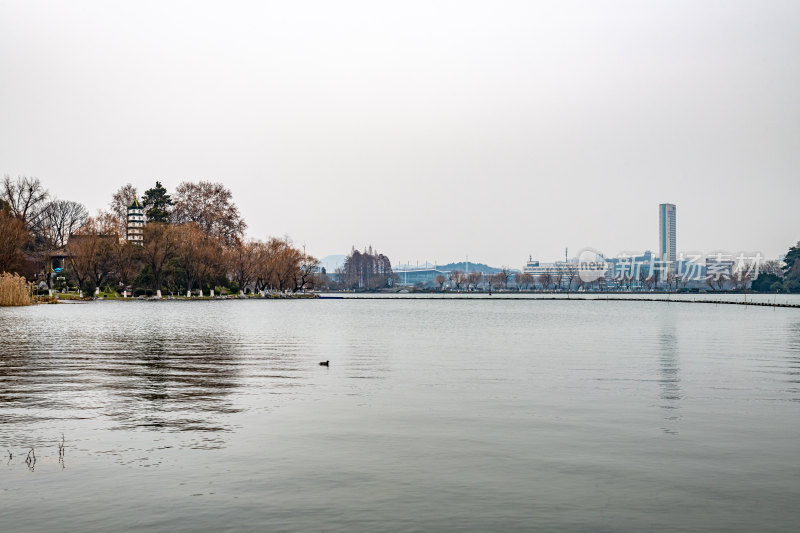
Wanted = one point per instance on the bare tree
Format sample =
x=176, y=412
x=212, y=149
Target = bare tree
x=277, y=265
x=127, y=261
x=92, y=252
x=242, y=262
x=524, y=280
x=440, y=281
x=286, y=265
x=160, y=243
x=557, y=277
x=120, y=201
x=60, y=219
x=773, y=266
x=368, y=270
x=473, y=279
x=570, y=274
x=740, y=279
x=211, y=206
x=741, y=275
x=196, y=253
x=671, y=281
x=116, y=255
x=456, y=278
x=545, y=279
x=503, y=276
x=497, y=280
x=26, y=197
x=647, y=280
x=82, y=251
x=13, y=237
x=306, y=273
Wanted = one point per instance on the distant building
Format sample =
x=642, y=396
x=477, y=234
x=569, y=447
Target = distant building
x=719, y=268
x=135, y=227
x=426, y=276
x=530, y=265
x=561, y=272
x=666, y=234
x=628, y=270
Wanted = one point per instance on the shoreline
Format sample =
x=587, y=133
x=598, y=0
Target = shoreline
x=439, y=297
x=565, y=299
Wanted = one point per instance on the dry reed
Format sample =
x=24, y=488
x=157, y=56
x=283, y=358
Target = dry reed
x=14, y=290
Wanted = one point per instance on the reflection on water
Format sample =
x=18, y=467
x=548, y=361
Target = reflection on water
x=149, y=372
x=434, y=415
x=171, y=382
x=793, y=363
x=669, y=379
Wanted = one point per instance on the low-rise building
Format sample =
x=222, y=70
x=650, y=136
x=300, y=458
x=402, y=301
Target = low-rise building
x=426, y=276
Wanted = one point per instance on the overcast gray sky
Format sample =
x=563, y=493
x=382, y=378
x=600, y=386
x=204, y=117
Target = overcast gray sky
x=431, y=130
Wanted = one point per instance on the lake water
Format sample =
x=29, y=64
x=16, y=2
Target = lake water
x=433, y=415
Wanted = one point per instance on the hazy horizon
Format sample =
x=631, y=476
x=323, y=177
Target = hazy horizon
x=431, y=131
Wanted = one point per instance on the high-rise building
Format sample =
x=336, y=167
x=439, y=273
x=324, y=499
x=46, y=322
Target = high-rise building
x=666, y=234
x=135, y=227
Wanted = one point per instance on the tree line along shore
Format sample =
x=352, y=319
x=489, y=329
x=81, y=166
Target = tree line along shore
x=192, y=243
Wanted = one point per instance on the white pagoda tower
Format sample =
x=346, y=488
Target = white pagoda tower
x=135, y=226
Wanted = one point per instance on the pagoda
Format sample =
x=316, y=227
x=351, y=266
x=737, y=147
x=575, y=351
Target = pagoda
x=135, y=227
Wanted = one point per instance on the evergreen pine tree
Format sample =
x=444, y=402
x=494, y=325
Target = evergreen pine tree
x=792, y=256
x=157, y=204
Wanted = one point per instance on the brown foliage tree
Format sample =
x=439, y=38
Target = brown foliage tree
x=242, y=262
x=496, y=280
x=56, y=221
x=277, y=264
x=198, y=254
x=306, y=277
x=120, y=201
x=211, y=206
x=524, y=280
x=368, y=270
x=117, y=254
x=504, y=275
x=457, y=279
x=13, y=237
x=160, y=243
x=285, y=263
x=127, y=261
x=473, y=279
x=93, y=250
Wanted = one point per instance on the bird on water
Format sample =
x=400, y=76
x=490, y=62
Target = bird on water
x=324, y=363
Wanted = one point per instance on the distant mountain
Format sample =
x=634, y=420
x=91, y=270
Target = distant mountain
x=473, y=267
x=332, y=262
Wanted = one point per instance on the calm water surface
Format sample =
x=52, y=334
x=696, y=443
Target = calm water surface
x=434, y=415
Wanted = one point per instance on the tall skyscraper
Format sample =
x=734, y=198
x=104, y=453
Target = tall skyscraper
x=666, y=234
